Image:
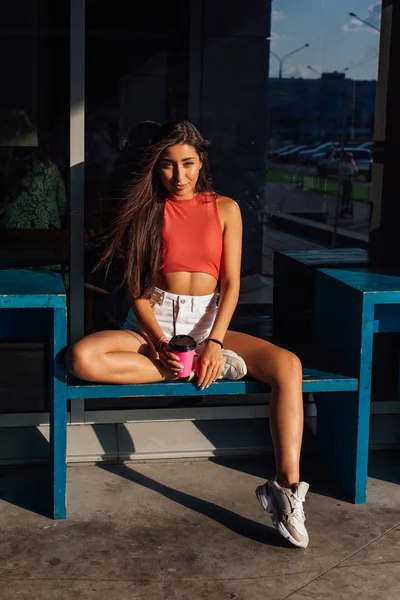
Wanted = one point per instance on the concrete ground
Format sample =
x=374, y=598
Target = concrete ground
x=290, y=199
x=194, y=530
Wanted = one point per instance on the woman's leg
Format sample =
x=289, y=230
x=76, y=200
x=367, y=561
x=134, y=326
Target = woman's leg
x=282, y=370
x=116, y=357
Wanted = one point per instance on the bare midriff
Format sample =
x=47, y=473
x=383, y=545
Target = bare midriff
x=187, y=284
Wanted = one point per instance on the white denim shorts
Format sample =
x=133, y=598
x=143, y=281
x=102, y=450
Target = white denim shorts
x=179, y=315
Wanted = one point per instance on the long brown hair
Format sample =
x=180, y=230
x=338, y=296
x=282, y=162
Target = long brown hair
x=135, y=236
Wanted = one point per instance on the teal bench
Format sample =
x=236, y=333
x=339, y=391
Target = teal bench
x=313, y=381
x=42, y=296
x=294, y=287
x=33, y=306
x=352, y=305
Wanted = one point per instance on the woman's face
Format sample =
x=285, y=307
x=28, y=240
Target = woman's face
x=178, y=170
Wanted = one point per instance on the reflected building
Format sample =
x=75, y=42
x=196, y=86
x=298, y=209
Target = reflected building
x=319, y=110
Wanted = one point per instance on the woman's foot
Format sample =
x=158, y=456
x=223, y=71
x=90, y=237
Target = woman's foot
x=234, y=366
x=286, y=507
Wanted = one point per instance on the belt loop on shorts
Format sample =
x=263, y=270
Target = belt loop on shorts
x=192, y=302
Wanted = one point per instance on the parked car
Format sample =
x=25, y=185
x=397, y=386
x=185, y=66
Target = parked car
x=291, y=155
x=367, y=146
x=362, y=158
x=307, y=156
x=320, y=155
x=272, y=154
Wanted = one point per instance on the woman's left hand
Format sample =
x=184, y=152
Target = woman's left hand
x=209, y=365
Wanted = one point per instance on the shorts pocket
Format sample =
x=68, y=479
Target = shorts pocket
x=211, y=307
x=207, y=310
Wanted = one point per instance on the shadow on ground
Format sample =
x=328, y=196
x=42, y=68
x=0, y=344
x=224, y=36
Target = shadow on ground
x=312, y=471
x=385, y=465
x=30, y=488
x=27, y=487
x=236, y=523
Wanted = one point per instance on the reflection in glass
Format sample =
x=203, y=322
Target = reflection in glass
x=34, y=114
x=321, y=120
x=32, y=191
x=34, y=162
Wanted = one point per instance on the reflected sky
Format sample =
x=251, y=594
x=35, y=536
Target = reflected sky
x=337, y=41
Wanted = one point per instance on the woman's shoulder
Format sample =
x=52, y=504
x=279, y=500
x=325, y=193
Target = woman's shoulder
x=228, y=205
x=229, y=211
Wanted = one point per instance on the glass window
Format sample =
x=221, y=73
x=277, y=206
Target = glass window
x=323, y=72
x=34, y=163
x=34, y=119
x=322, y=86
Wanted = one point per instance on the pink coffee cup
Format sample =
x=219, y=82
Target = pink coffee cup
x=184, y=347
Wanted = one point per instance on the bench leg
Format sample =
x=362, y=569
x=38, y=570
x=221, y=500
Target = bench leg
x=344, y=326
x=58, y=413
x=342, y=438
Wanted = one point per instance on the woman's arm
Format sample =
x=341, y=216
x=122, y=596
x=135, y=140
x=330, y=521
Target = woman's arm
x=211, y=361
x=144, y=312
x=230, y=268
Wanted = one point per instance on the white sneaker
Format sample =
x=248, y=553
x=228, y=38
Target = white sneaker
x=234, y=366
x=286, y=508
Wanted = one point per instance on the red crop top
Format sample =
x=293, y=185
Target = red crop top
x=192, y=236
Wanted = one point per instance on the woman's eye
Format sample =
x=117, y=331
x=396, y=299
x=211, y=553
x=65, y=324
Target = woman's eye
x=188, y=164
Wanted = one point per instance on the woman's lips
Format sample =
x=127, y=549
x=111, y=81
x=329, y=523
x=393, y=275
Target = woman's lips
x=180, y=186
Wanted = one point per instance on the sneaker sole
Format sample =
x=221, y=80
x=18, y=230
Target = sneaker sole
x=284, y=533
x=279, y=526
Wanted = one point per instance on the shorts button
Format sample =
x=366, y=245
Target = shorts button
x=183, y=301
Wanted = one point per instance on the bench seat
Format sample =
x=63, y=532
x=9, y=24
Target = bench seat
x=313, y=381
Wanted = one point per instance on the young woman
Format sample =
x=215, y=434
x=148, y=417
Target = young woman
x=178, y=240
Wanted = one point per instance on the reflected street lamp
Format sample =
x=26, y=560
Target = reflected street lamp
x=281, y=60
x=351, y=14
x=314, y=70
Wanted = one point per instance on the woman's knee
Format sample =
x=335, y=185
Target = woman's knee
x=287, y=367
x=83, y=361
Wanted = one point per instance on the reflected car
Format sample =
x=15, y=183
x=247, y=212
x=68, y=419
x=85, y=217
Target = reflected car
x=318, y=156
x=272, y=154
x=291, y=155
x=362, y=158
x=367, y=146
x=308, y=157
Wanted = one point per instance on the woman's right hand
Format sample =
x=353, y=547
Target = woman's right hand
x=168, y=359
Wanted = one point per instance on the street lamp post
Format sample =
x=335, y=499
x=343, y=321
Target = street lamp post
x=351, y=14
x=281, y=60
